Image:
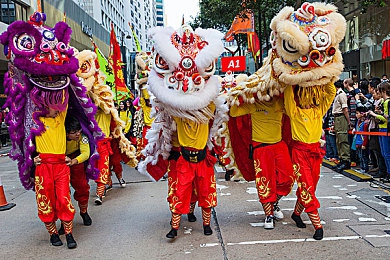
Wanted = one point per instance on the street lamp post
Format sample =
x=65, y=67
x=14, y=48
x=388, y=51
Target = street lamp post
x=124, y=54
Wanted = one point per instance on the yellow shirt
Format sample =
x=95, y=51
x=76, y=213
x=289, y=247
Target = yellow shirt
x=104, y=121
x=146, y=111
x=192, y=134
x=82, y=145
x=53, y=139
x=266, y=119
x=306, y=124
x=126, y=117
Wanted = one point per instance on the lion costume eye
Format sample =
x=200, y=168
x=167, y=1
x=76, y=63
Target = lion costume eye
x=85, y=67
x=24, y=42
x=161, y=63
x=288, y=47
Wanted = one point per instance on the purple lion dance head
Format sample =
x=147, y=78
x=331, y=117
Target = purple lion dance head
x=41, y=74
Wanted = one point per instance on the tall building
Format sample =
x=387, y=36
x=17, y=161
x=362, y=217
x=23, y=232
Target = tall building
x=160, y=12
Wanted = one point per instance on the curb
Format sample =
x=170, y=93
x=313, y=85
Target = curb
x=350, y=173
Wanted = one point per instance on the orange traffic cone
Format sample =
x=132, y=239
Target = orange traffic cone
x=4, y=205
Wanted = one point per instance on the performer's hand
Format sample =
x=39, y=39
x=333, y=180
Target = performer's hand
x=68, y=161
x=37, y=160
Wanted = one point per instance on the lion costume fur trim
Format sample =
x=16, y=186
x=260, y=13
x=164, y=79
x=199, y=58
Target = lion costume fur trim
x=103, y=98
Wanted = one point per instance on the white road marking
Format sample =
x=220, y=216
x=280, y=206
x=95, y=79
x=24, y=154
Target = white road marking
x=259, y=224
x=221, y=187
x=341, y=220
x=343, y=189
x=297, y=240
x=251, y=190
x=256, y=213
x=353, y=197
x=344, y=207
x=319, y=197
x=367, y=220
x=225, y=194
x=336, y=186
x=379, y=236
x=352, y=185
x=359, y=213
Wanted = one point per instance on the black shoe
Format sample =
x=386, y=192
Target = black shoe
x=319, y=234
x=191, y=217
x=207, y=230
x=61, y=231
x=70, y=241
x=229, y=174
x=87, y=221
x=55, y=240
x=343, y=166
x=298, y=220
x=172, y=233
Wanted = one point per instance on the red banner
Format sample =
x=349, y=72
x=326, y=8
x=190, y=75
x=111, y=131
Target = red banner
x=116, y=63
x=235, y=63
x=242, y=23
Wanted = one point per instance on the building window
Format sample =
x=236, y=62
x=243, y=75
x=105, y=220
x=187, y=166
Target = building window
x=11, y=11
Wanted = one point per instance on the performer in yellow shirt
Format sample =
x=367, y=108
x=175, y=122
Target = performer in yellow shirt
x=196, y=168
x=52, y=177
x=77, y=152
x=272, y=162
x=104, y=150
x=306, y=129
x=147, y=121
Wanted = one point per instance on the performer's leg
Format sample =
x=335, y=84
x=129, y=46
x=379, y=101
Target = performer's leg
x=104, y=150
x=191, y=216
x=68, y=225
x=296, y=216
x=206, y=216
x=54, y=237
x=316, y=221
x=175, y=223
x=79, y=182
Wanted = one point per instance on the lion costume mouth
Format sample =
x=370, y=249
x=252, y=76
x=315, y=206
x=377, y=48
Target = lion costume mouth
x=56, y=82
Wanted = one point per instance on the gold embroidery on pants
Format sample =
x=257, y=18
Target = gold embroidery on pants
x=43, y=203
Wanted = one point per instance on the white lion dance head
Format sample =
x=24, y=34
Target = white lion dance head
x=183, y=66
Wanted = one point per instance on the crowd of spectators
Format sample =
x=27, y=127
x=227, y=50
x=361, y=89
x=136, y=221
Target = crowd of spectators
x=356, y=127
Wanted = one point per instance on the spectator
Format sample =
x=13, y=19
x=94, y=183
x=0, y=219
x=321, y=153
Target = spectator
x=330, y=136
x=379, y=166
x=383, y=116
x=341, y=126
x=352, y=90
x=361, y=141
x=384, y=78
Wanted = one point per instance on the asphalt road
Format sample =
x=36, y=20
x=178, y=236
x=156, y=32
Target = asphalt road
x=133, y=221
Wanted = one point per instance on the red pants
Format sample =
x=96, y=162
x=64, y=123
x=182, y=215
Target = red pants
x=142, y=142
x=52, y=189
x=172, y=184
x=274, y=171
x=104, y=150
x=307, y=160
x=115, y=158
x=201, y=175
x=79, y=181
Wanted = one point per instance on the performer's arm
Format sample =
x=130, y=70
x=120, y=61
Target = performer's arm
x=330, y=91
x=289, y=103
x=84, y=150
x=241, y=110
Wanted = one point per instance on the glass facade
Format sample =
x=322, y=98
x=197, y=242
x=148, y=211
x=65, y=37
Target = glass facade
x=12, y=11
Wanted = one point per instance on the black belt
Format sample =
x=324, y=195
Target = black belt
x=193, y=156
x=337, y=115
